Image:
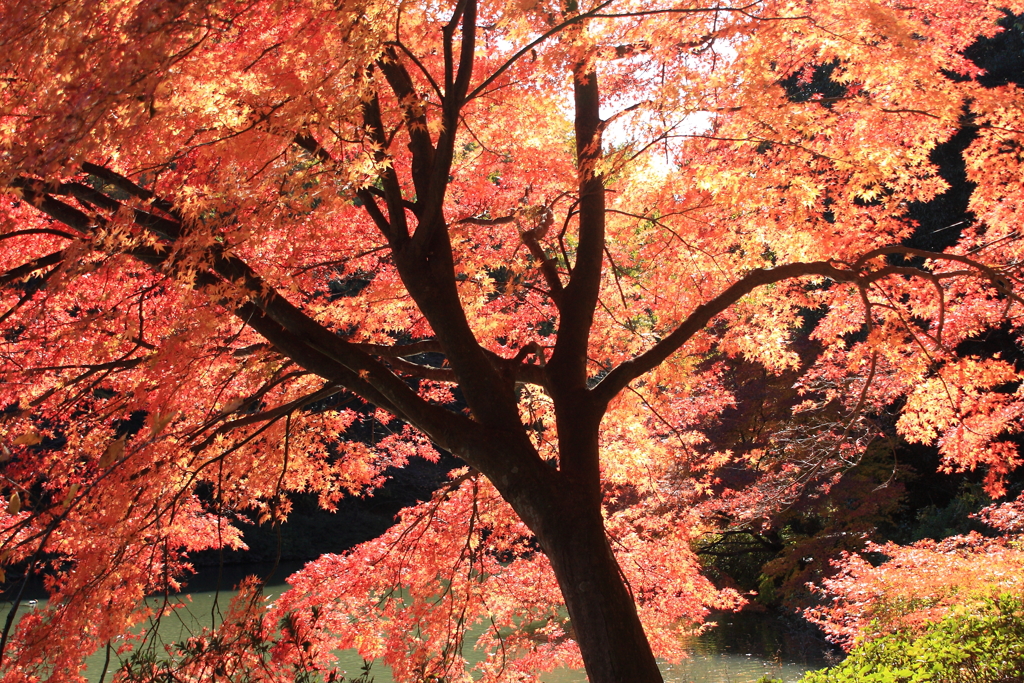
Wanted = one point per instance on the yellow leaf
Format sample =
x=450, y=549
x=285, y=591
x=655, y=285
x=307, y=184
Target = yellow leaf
x=159, y=423
x=113, y=452
x=234, y=405
x=72, y=492
x=5, y=454
x=14, y=504
x=29, y=438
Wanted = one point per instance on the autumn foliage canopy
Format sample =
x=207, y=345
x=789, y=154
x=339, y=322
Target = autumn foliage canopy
x=527, y=233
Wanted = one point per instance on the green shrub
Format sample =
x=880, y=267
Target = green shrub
x=983, y=644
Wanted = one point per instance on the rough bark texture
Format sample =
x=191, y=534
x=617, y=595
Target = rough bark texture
x=602, y=610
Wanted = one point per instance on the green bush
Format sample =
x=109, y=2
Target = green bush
x=983, y=644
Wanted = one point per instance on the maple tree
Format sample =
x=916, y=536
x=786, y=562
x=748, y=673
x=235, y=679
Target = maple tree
x=527, y=233
x=917, y=584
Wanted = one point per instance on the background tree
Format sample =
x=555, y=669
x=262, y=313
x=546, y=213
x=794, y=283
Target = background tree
x=524, y=232
x=918, y=584
x=895, y=492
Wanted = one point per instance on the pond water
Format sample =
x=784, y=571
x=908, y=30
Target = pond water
x=740, y=649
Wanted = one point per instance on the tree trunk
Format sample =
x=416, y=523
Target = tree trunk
x=601, y=609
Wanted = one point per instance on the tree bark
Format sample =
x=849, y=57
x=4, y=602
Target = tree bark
x=563, y=510
x=602, y=611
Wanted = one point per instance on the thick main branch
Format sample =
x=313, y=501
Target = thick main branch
x=568, y=366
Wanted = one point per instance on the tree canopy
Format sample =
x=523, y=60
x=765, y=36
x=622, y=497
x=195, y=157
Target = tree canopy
x=527, y=233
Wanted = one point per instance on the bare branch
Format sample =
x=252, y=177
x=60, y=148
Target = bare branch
x=402, y=350
x=504, y=220
x=38, y=231
x=616, y=380
x=424, y=371
x=15, y=274
x=529, y=47
x=415, y=115
x=309, y=143
x=327, y=391
x=126, y=185
x=547, y=267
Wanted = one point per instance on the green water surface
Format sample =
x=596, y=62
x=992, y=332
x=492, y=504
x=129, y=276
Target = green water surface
x=740, y=649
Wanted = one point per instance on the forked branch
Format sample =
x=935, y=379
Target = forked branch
x=857, y=272
x=285, y=326
x=617, y=380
